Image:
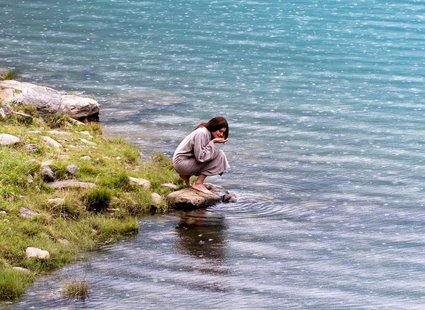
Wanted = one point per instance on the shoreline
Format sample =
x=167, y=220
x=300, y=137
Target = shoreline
x=69, y=221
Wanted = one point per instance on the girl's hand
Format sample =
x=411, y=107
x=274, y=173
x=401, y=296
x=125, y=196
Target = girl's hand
x=219, y=140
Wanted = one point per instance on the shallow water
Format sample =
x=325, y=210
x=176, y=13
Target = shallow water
x=326, y=106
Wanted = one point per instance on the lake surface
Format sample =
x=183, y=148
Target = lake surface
x=326, y=106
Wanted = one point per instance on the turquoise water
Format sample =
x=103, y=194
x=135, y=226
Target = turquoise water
x=326, y=103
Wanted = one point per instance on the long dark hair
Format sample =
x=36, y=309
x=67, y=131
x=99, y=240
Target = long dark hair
x=216, y=123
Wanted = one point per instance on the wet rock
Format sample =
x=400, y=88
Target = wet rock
x=49, y=101
x=6, y=139
x=146, y=184
x=25, y=212
x=188, y=199
x=32, y=252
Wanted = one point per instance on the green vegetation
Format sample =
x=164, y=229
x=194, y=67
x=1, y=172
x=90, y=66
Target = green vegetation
x=9, y=75
x=71, y=221
x=76, y=290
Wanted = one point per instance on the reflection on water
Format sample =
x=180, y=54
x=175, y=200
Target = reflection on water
x=202, y=234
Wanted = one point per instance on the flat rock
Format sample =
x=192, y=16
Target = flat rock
x=189, y=199
x=70, y=184
x=51, y=141
x=25, y=212
x=48, y=101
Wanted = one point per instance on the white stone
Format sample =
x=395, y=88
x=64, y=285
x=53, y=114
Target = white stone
x=156, y=198
x=21, y=269
x=146, y=184
x=6, y=139
x=171, y=186
x=33, y=252
x=51, y=142
x=87, y=141
x=86, y=133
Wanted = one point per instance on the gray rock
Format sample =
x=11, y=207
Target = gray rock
x=146, y=184
x=47, y=173
x=31, y=148
x=5, y=110
x=72, y=169
x=25, y=212
x=6, y=139
x=189, y=199
x=51, y=141
x=48, y=101
x=70, y=184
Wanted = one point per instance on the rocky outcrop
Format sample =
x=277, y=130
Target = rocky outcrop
x=48, y=101
x=189, y=199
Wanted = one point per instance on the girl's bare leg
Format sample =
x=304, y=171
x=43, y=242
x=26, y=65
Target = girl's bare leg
x=199, y=184
x=186, y=179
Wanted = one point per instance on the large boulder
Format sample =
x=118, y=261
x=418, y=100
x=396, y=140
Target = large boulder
x=48, y=101
x=189, y=199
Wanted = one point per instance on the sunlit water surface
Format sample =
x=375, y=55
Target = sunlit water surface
x=326, y=105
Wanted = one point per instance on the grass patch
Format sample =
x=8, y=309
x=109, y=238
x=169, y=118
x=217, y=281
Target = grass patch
x=98, y=199
x=69, y=221
x=9, y=75
x=13, y=283
x=76, y=290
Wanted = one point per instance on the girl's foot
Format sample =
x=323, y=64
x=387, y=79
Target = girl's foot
x=201, y=187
